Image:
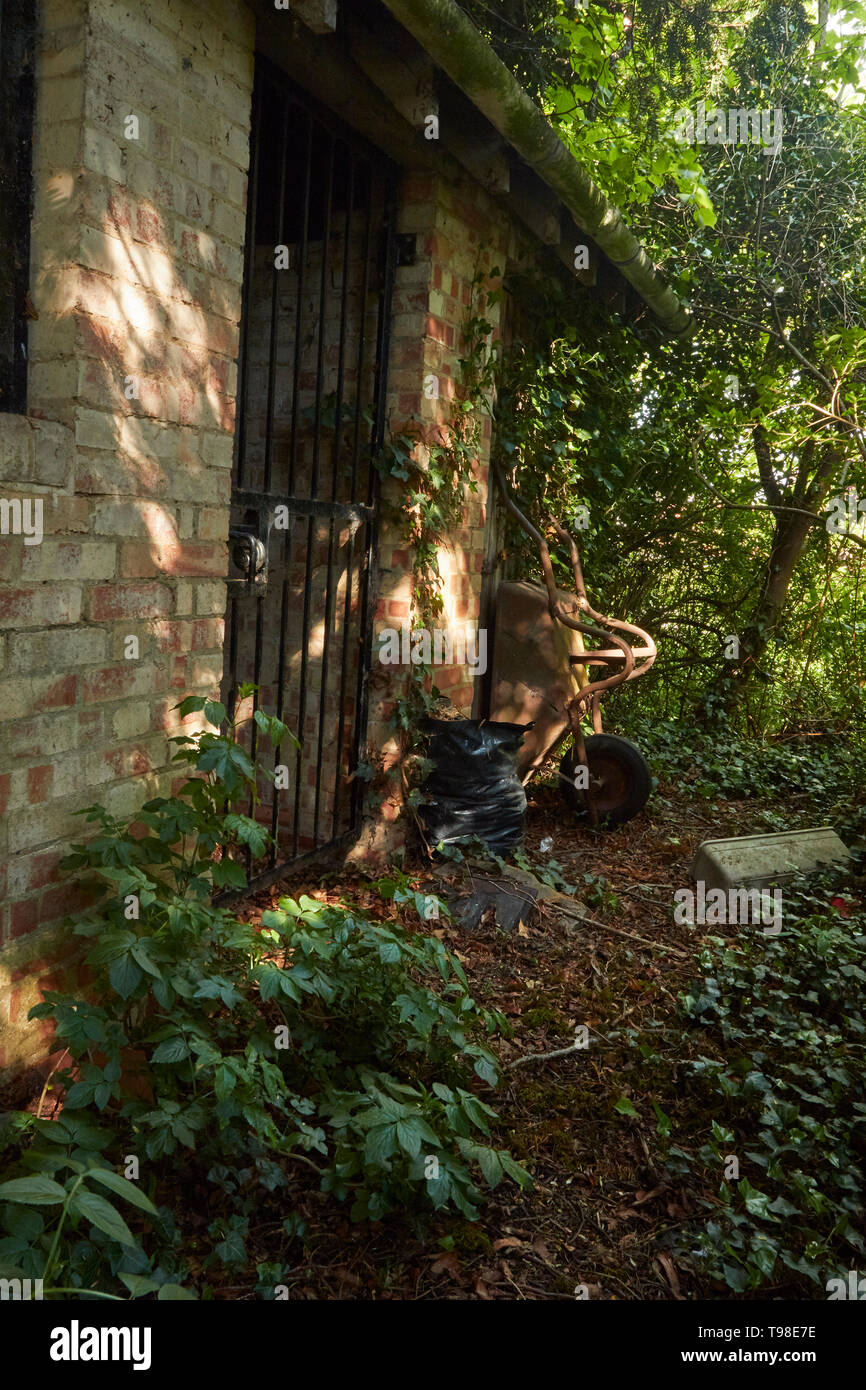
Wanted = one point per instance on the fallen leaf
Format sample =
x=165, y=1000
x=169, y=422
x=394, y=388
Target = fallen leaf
x=673, y=1278
x=648, y=1196
x=507, y=1242
x=449, y=1264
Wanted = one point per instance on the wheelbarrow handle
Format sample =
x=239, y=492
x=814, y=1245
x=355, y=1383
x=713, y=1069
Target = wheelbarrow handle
x=626, y=652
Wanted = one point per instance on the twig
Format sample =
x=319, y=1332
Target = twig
x=620, y=931
x=301, y=1158
x=546, y=1056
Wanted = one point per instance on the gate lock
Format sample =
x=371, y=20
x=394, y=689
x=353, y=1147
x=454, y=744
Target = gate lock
x=249, y=555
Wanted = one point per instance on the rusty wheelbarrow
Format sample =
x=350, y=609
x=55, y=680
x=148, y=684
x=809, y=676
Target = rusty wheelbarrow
x=541, y=675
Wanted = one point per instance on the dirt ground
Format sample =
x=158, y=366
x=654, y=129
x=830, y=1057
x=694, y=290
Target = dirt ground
x=602, y=1213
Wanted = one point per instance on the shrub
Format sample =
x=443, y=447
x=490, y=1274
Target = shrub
x=788, y=1095
x=240, y=1051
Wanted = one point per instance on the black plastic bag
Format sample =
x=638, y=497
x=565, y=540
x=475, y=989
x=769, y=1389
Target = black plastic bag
x=474, y=788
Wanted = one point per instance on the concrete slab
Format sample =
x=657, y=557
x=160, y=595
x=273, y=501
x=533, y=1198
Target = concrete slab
x=753, y=861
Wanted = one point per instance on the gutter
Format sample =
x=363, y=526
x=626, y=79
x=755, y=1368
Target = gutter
x=456, y=46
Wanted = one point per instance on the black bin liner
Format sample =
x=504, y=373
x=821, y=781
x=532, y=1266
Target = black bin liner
x=474, y=788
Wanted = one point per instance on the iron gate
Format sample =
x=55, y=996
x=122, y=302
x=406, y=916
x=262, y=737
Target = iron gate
x=311, y=397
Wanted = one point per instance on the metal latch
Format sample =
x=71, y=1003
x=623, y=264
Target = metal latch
x=249, y=555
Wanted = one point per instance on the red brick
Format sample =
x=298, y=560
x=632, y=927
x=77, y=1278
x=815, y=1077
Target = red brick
x=207, y=634
x=5, y=783
x=41, y=869
x=110, y=601
x=64, y=899
x=46, y=606
x=116, y=683
x=59, y=695
x=187, y=560
x=39, y=783
x=25, y=917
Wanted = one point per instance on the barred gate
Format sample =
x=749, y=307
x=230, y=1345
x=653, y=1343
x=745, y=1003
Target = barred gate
x=320, y=257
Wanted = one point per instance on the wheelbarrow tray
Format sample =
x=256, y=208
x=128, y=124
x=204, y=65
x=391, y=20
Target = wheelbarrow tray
x=538, y=695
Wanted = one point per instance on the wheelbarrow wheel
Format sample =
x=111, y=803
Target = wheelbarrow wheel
x=619, y=778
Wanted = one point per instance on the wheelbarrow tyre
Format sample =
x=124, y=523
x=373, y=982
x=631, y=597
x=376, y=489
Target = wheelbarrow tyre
x=624, y=774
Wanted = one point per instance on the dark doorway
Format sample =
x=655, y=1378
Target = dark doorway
x=311, y=396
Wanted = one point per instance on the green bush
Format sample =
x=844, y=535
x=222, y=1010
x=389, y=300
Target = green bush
x=788, y=1095
x=214, y=1053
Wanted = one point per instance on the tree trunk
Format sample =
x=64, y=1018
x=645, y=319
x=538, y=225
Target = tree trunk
x=790, y=539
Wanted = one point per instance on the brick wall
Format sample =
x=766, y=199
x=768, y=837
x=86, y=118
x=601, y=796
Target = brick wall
x=137, y=267
x=460, y=231
x=136, y=276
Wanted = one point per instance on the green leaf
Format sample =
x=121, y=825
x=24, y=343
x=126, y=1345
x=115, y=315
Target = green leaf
x=176, y=1293
x=490, y=1165
x=624, y=1107
x=36, y=1191
x=125, y=975
x=102, y=1215
x=408, y=1136
x=174, y=1049
x=214, y=712
x=190, y=705
x=123, y=1187
x=138, y=1284
x=21, y=1221
x=380, y=1144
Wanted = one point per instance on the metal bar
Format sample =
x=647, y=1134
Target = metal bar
x=365, y=288
x=259, y=646
x=341, y=361
x=365, y=610
x=302, y=506
x=323, y=304
x=268, y=876
x=302, y=265
x=323, y=688
x=249, y=245
x=302, y=706
x=257, y=680
x=281, y=676
x=344, y=661
x=231, y=690
x=275, y=279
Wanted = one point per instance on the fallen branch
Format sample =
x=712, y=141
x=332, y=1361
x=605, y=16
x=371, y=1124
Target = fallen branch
x=546, y=1056
x=620, y=931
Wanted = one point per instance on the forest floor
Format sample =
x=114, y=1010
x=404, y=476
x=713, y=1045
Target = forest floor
x=604, y=1212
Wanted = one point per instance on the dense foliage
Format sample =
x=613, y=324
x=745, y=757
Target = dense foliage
x=786, y=1097
x=724, y=474
x=245, y=1051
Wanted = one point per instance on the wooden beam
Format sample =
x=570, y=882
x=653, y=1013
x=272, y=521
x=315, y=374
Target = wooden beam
x=408, y=81
x=485, y=159
x=318, y=15
x=318, y=65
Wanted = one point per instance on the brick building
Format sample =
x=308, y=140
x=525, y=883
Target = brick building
x=241, y=241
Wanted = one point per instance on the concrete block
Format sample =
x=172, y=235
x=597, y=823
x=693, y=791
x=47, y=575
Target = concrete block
x=756, y=860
